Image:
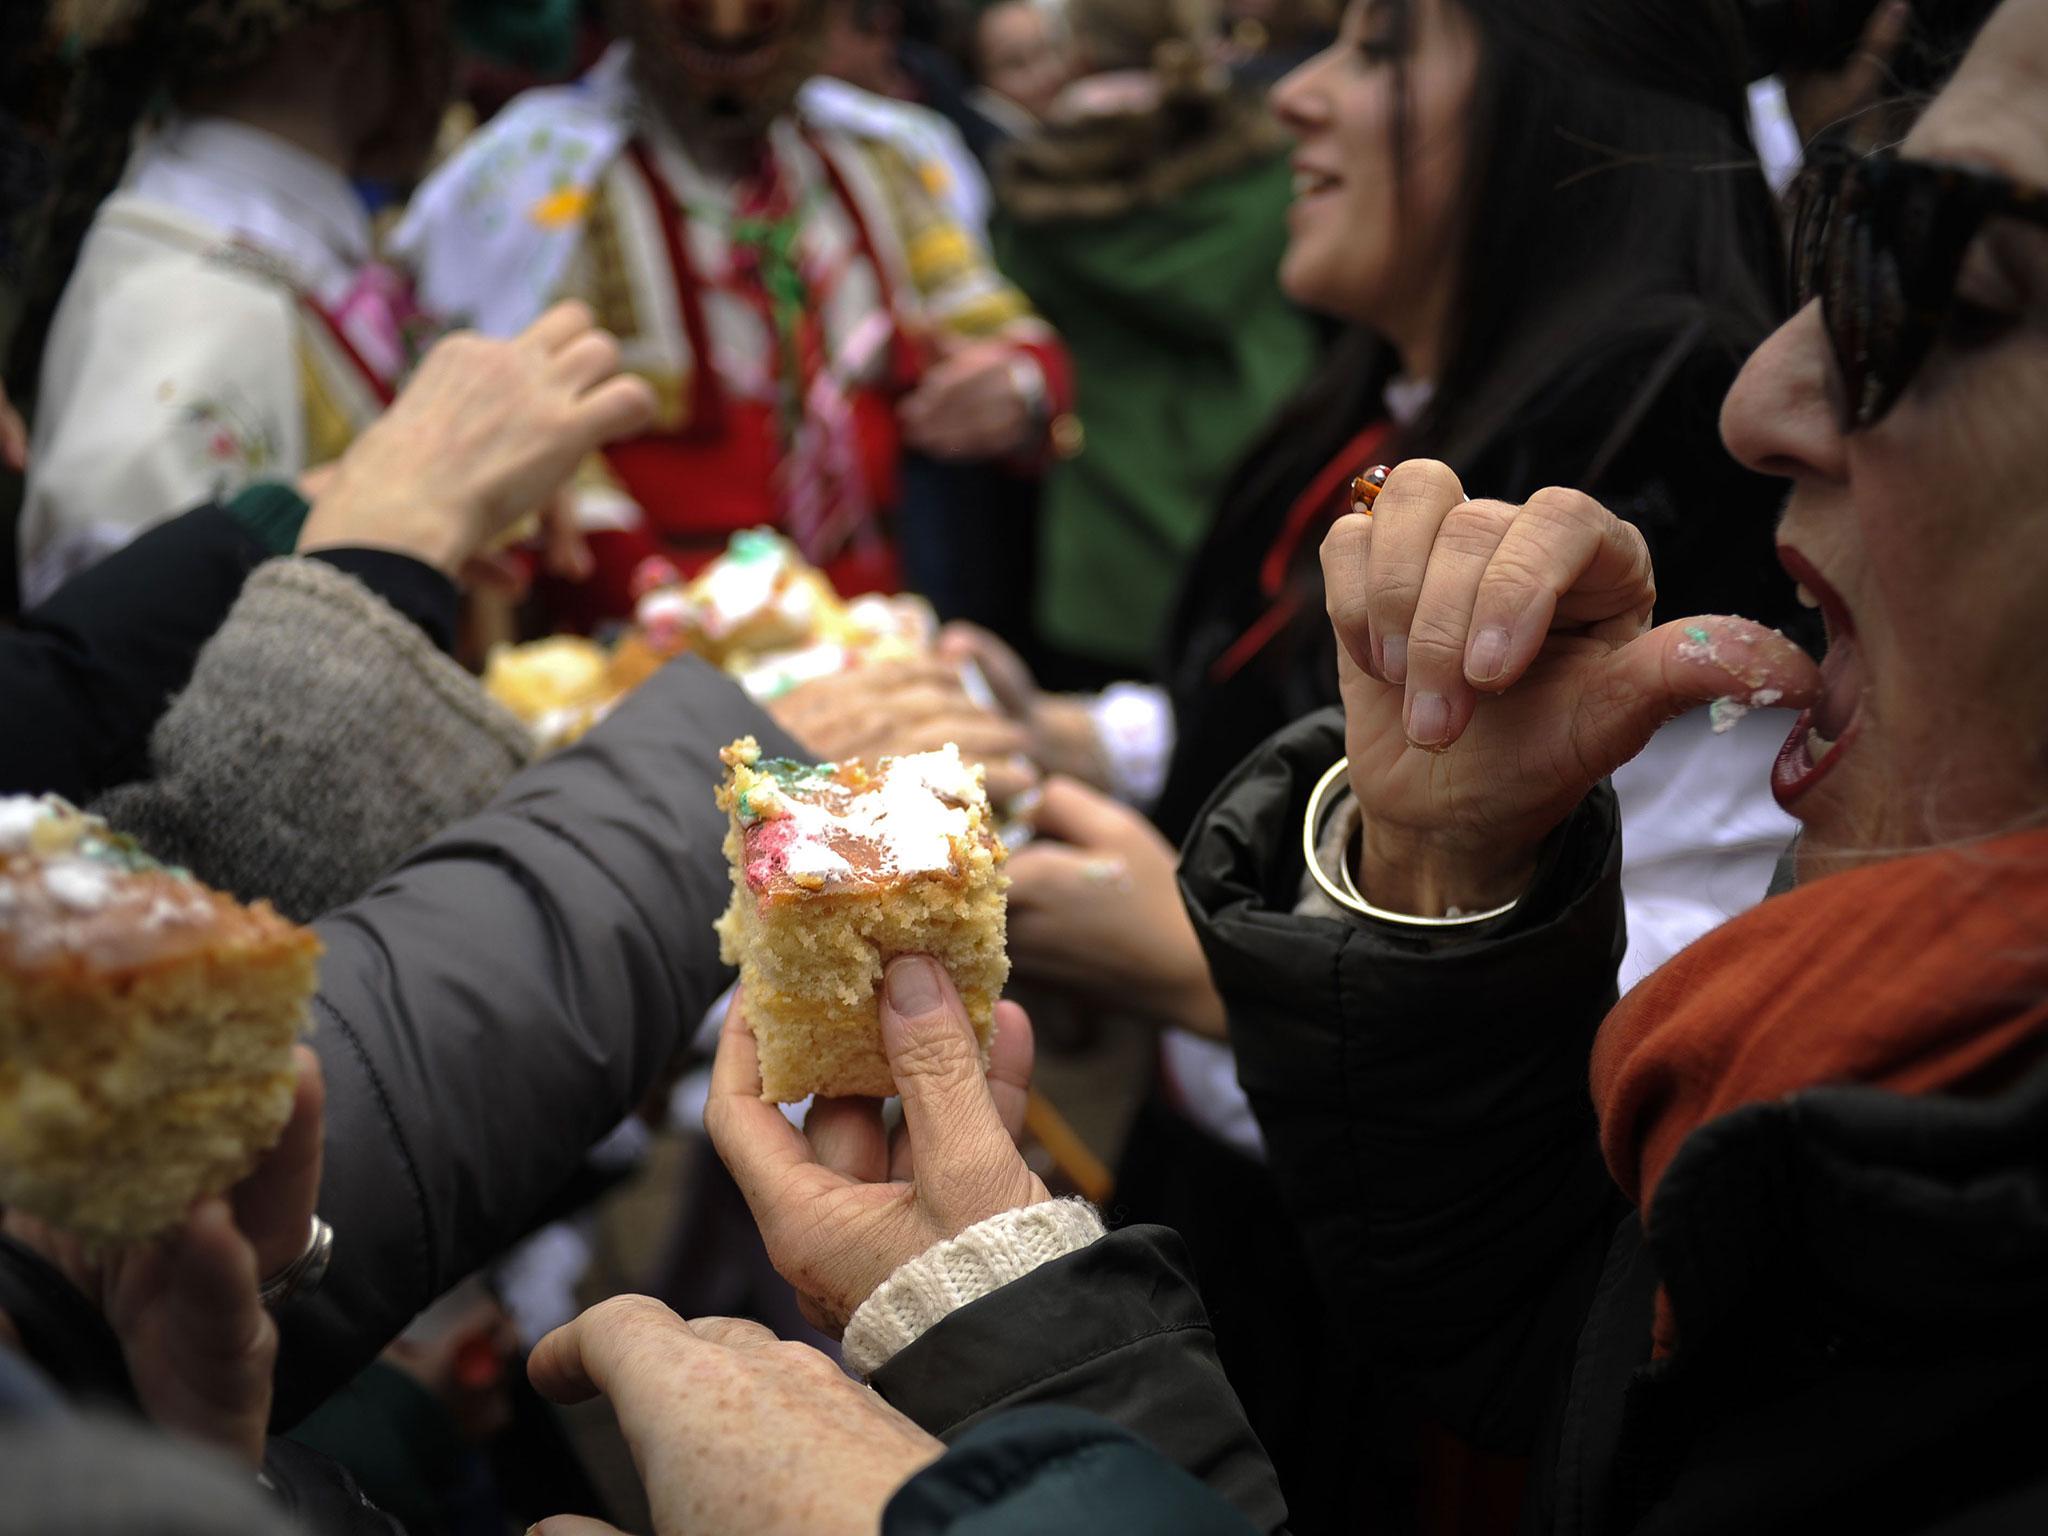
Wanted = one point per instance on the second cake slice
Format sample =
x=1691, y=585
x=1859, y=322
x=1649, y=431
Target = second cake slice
x=837, y=868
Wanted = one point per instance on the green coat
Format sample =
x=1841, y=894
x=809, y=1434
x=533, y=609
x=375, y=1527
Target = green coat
x=1183, y=347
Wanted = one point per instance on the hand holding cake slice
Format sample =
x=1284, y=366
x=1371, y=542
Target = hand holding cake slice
x=837, y=868
x=146, y=1027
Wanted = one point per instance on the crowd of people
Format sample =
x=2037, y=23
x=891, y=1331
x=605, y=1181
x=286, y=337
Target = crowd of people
x=1574, y=1105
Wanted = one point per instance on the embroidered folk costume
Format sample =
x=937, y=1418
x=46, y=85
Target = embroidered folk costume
x=781, y=299
x=220, y=319
x=223, y=325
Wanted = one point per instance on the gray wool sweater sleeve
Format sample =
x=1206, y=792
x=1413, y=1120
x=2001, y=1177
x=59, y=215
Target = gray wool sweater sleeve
x=321, y=738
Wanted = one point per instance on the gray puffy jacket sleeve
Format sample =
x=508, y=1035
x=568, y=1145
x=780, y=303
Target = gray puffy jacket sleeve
x=501, y=999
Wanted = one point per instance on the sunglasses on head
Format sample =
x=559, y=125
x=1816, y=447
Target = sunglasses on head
x=1880, y=242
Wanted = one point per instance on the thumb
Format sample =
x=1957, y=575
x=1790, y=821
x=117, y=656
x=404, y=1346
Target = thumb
x=573, y=1525
x=1679, y=666
x=936, y=1063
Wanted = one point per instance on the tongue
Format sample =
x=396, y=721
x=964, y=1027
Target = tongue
x=1841, y=672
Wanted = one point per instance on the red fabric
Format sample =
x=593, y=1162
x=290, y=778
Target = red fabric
x=1926, y=974
x=379, y=386
x=1320, y=503
x=717, y=473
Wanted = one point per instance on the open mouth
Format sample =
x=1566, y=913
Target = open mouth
x=1309, y=182
x=736, y=59
x=1823, y=732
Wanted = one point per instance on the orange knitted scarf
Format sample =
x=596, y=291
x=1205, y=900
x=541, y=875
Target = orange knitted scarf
x=1925, y=974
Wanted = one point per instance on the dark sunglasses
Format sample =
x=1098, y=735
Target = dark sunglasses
x=1880, y=241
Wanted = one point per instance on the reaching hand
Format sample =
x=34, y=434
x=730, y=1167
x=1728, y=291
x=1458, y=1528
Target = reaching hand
x=968, y=405
x=892, y=707
x=1095, y=908
x=1062, y=736
x=1497, y=662
x=199, y=1346
x=842, y=1204
x=734, y=1432
x=483, y=437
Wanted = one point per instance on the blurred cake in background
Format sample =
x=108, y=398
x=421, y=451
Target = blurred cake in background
x=758, y=611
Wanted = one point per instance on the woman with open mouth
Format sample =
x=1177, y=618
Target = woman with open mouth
x=1785, y=1267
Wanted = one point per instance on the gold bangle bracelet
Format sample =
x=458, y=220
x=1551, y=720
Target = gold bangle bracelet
x=1347, y=895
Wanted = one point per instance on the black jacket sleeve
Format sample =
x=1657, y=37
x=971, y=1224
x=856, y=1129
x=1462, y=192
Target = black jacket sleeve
x=1040, y=1470
x=1425, y=1105
x=89, y=672
x=501, y=999
x=1117, y=1329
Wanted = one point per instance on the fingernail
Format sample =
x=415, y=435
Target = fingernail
x=1394, y=658
x=1489, y=654
x=912, y=983
x=1429, y=719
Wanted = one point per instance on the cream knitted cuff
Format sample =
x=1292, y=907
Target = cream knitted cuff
x=950, y=1274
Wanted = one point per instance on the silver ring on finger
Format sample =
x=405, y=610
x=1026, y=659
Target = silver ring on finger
x=303, y=1275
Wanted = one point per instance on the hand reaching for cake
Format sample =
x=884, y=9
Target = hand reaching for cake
x=897, y=707
x=1095, y=909
x=711, y=1409
x=843, y=1203
x=483, y=437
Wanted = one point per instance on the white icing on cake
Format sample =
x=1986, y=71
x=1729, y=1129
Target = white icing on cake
x=19, y=815
x=79, y=884
x=741, y=583
x=911, y=818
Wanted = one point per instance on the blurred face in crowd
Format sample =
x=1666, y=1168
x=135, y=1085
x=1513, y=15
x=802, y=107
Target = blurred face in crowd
x=404, y=88
x=1372, y=237
x=1925, y=536
x=1019, y=55
x=722, y=70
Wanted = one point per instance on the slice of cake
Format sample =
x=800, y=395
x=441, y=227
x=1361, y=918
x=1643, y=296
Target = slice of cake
x=836, y=869
x=146, y=1027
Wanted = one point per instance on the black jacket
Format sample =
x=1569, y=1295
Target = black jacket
x=1859, y=1277
x=86, y=675
x=1117, y=1329
x=1635, y=425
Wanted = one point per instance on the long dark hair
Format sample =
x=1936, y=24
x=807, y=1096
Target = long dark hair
x=1620, y=256
x=1611, y=197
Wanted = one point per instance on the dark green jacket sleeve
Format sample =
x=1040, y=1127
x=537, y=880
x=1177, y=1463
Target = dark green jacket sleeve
x=1425, y=1105
x=1056, y=1470
x=1117, y=1329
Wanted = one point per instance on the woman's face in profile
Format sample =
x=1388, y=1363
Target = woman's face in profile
x=1926, y=535
x=1369, y=241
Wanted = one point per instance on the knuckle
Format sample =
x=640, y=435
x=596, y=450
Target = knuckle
x=1512, y=573
x=1435, y=637
x=937, y=1055
x=1393, y=587
x=631, y=1313
x=1422, y=480
x=1561, y=504
x=1473, y=528
x=1349, y=610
